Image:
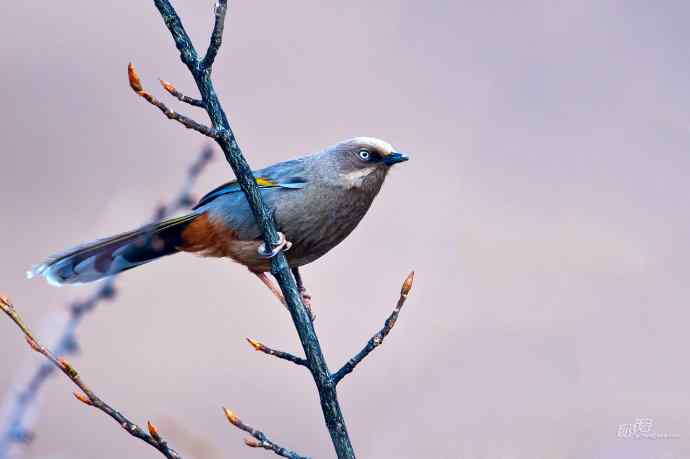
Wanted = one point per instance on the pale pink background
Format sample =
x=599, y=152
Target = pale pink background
x=545, y=211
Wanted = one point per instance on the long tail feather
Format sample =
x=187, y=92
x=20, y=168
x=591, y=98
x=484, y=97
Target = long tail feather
x=106, y=257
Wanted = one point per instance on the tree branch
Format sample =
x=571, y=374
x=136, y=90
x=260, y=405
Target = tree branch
x=88, y=397
x=181, y=97
x=259, y=440
x=135, y=84
x=330, y=407
x=16, y=430
x=217, y=34
x=378, y=338
x=260, y=347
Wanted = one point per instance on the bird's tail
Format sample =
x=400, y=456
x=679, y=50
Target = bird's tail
x=106, y=257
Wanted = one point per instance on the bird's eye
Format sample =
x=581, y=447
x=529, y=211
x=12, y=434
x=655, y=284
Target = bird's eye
x=364, y=155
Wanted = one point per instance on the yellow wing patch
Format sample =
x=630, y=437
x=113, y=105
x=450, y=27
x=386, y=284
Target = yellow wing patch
x=265, y=182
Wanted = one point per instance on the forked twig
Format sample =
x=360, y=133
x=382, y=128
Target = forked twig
x=21, y=403
x=87, y=396
x=135, y=84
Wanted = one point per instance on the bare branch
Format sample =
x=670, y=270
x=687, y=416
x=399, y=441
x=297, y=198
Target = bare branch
x=259, y=439
x=217, y=35
x=378, y=338
x=20, y=404
x=88, y=397
x=183, y=43
x=280, y=354
x=189, y=123
x=181, y=97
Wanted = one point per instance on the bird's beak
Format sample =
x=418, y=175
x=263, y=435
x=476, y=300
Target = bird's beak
x=395, y=158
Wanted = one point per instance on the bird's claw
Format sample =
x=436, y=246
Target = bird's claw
x=282, y=245
x=306, y=301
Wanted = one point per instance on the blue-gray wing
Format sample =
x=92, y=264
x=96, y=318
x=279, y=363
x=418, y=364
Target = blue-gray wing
x=286, y=175
x=281, y=185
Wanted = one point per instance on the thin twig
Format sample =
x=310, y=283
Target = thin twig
x=332, y=413
x=181, y=97
x=259, y=440
x=217, y=35
x=187, y=122
x=20, y=404
x=378, y=338
x=88, y=397
x=275, y=353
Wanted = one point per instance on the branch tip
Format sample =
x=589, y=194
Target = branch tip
x=5, y=302
x=255, y=344
x=407, y=284
x=134, y=81
x=167, y=86
x=232, y=417
x=83, y=398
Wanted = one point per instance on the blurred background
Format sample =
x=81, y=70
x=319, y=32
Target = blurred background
x=545, y=211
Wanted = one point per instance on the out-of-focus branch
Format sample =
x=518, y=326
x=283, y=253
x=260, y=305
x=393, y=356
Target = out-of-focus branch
x=20, y=404
x=87, y=396
x=378, y=338
x=259, y=439
x=260, y=347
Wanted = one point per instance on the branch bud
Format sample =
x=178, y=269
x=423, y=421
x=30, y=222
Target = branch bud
x=83, y=398
x=33, y=344
x=255, y=344
x=407, y=284
x=153, y=431
x=5, y=302
x=134, y=81
x=69, y=369
x=168, y=87
x=232, y=417
x=251, y=442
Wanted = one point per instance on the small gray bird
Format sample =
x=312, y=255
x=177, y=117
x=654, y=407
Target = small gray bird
x=318, y=200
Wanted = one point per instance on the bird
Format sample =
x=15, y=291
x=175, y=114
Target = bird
x=317, y=200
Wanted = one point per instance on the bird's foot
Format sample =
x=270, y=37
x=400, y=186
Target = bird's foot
x=282, y=245
x=306, y=301
x=306, y=298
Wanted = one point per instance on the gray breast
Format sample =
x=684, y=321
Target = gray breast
x=317, y=219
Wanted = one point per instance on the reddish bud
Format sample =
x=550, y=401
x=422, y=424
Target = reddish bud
x=153, y=431
x=251, y=442
x=255, y=344
x=168, y=87
x=4, y=301
x=232, y=417
x=65, y=365
x=83, y=398
x=407, y=284
x=134, y=81
x=33, y=344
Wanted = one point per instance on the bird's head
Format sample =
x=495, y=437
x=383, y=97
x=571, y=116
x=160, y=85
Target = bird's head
x=365, y=161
